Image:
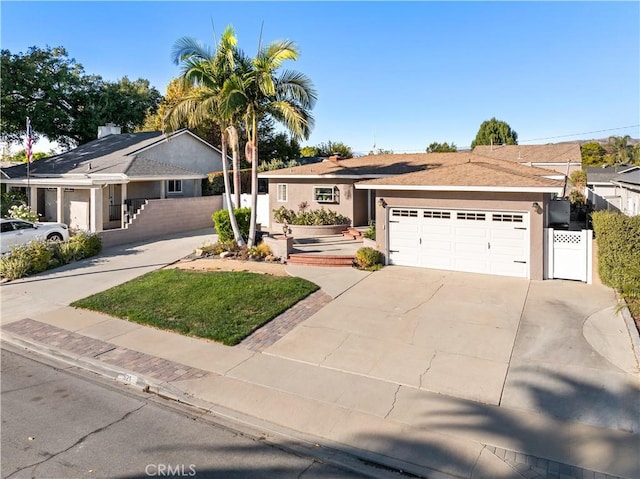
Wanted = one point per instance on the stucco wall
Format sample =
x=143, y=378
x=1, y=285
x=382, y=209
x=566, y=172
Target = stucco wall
x=143, y=189
x=352, y=203
x=159, y=218
x=186, y=152
x=472, y=201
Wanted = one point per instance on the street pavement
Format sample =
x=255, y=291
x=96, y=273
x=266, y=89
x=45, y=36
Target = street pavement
x=436, y=373
x=61, y=423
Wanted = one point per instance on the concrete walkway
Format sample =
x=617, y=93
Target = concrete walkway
x=380, y=371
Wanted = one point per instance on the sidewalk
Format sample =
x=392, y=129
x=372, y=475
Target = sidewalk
x=402, y=427
x=409, y=428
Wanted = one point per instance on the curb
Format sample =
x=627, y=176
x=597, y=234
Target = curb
x=631, y=328
x=329, y=452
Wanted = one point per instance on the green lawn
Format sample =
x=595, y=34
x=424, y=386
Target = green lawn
x=222, y=306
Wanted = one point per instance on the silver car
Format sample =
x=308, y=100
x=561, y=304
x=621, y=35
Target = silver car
x=14, y=232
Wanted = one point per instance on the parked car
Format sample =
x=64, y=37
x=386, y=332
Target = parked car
x=14, y=232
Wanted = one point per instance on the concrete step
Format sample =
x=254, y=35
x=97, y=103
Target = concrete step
x=301, y=259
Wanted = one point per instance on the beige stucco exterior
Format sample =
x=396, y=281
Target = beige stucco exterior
x=471, y=201
x=351, y=202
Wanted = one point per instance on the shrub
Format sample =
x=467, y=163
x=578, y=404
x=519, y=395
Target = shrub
x=65, y=252
x=368, y=258
x=40, y=254
x=14, y=267
x=260, y=251
x=618, y=251
x=371, y=232
x=304, y=217
x=222, y=223
x=577, y=198
x=9, y=199
x=23, y=212
x=86, y=245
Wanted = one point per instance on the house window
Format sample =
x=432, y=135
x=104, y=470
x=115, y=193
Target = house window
x=174, y=187
x=325, y=194
x=471, y=216
x=282, y=192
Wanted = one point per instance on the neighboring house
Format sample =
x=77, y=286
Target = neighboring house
x=101, y=184
x=565, y=158
x=457, y=211
x=629, y=183
x=601, y=192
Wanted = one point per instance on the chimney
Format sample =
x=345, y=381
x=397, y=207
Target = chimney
x=108, y=129
x=335, y=157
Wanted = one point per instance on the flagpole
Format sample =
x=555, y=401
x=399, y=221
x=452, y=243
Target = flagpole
x=27, y=151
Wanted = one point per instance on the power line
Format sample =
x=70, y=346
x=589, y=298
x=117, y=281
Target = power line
x=578, y=134
x=468, y=147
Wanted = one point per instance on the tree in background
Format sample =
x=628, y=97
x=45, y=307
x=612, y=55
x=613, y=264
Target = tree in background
x=495, y=132
x=64, y=103
x=445, y=147
x=279, y=146
x=21, y=156
x=620, y=151
x=593, y=154
x=381, y=151
x=328, y=149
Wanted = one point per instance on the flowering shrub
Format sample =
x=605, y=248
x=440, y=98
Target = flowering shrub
x=304, y=217
x=23, y=212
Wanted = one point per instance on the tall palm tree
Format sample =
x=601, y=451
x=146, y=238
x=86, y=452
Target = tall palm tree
x=203, y=75
x=257, y=91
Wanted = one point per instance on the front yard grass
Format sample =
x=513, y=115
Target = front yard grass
x=222, y=306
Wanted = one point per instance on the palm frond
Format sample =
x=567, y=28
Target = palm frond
x=186, y=47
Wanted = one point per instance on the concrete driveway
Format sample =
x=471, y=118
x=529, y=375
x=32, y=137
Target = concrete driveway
x=553, y=347
x=58, y=287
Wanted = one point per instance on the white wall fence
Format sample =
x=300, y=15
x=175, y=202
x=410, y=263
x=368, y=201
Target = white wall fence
x=568, y=255
x=262, y=211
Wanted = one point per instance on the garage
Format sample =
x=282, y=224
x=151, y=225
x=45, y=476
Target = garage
x=475, y=241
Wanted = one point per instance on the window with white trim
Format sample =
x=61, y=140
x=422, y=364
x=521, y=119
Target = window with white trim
x=325, y=194
x=174, y=187
x=282, y=191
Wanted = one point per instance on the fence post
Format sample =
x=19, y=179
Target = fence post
x=548, y=253
x=589, y=252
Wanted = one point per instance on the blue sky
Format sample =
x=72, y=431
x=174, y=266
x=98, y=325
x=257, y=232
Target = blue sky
x=406, y=73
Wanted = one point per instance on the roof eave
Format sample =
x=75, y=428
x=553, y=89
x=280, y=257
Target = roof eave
x=495, y=189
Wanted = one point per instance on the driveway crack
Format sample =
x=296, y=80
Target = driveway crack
x=415, y=328
x=78, y=442
x=428, y=368
x=337, y=347
x=393, y=405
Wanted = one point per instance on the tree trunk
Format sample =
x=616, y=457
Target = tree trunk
x=254, y=184
x=227, y=194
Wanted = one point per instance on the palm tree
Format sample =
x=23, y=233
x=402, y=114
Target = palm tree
x=620, y=149
x=203, y=75
x=257, y=92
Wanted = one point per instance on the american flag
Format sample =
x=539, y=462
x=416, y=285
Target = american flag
x=29, y=143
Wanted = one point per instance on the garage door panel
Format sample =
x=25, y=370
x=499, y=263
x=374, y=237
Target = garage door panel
x=474, y=241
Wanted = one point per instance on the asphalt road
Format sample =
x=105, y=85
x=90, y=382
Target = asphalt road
x=60, y=422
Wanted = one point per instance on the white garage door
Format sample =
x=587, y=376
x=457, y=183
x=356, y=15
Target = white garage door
x=491, y=242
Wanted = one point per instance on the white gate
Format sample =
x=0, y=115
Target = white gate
x=569, y=255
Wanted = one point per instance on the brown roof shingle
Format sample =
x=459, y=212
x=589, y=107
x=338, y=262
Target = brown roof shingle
x=475, y=174
x=551, y=153
x=375, y=166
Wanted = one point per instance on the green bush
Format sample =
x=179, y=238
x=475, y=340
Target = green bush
x=371, y=232
x=304, y=217
x=86, y=245
x=9, y=199
x=368, y=258
x=222, y=223
x=38, y=256
x=14, y=267
x=23, y=212
x=618, y=239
